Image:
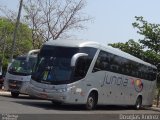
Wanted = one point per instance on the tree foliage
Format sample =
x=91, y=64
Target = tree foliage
x=43, y=20
x=148, y=48
x=23, y=41
x=151, y=33
x=137, y=50
x=151, y=57
x=50, y=19
x=131, y=47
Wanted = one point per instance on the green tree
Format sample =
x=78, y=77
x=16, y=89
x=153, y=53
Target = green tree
x=151, y=57
x=131, y=47
x=23, y=42
x=151, y=33
x=137, y=50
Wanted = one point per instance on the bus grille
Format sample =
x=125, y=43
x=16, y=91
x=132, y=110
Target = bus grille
x=14, y=85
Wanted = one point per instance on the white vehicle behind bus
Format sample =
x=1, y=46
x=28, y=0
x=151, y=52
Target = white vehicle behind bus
x=84, y=72
x=19, y=73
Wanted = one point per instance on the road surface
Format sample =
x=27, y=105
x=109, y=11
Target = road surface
x=26, y=108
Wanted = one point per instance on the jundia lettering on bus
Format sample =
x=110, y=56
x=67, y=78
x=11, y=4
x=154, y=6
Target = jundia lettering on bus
x=116, y=80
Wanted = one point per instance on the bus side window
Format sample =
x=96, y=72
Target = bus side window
x=115, y=63
x=97, y=66
x=102, y=62
x=81, y=68
x=154, y=74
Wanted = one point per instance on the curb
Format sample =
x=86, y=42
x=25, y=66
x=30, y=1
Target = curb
x=153, y=108
x=2, y=92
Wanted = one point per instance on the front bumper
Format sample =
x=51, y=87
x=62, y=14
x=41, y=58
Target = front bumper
x=48, y=94
x=16, y=86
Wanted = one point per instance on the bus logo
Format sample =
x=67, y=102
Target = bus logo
x=138, y=85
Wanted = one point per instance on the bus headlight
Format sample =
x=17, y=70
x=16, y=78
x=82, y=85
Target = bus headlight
x=65, y=89
x=62, y=90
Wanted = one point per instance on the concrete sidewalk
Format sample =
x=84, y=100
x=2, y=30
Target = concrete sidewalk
x=3, y=92
x=154, y=108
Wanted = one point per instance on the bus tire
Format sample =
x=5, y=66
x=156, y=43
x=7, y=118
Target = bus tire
x=91, y=101
x=14, y=94
x=138, y=103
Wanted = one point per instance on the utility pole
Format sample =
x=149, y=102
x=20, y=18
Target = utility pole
x=15, y=31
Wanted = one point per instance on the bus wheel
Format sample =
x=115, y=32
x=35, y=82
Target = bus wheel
x=91, y=101
x=138, y=104
x=14, y=94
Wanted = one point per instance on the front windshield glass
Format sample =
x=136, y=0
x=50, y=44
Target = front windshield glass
x=53, y=65
x=21, y=67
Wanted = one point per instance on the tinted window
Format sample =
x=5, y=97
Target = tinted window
x=110, y=62
x=83, y=63
x=54, y=64
x=102, y=62
x=22, y=67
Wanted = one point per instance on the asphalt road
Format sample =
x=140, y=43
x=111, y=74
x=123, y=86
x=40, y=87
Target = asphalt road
x=25, y=108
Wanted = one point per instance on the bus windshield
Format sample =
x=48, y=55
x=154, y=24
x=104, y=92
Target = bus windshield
x=21, y=67
x=54, y=65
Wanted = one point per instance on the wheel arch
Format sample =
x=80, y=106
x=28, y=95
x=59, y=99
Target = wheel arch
x=139, y=95
x=95, y=90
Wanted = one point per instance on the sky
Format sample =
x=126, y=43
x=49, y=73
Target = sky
x=112, y=19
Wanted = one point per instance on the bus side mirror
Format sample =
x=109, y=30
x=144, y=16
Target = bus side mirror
x=75, y=58
x=36, y=51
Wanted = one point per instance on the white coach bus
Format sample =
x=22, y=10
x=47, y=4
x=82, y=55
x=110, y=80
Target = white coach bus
x=19, y=73
x=84, y=72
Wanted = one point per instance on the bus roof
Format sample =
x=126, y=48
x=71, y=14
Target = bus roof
x=84, y=43
x=72, y=43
